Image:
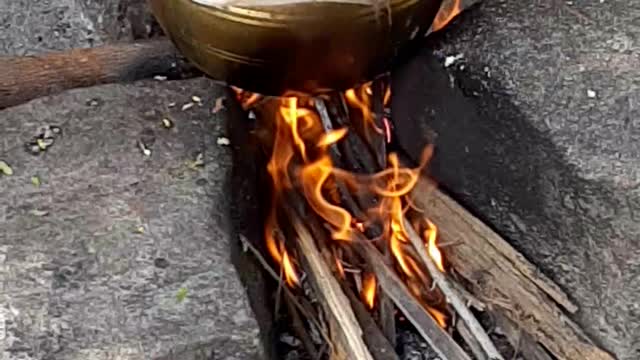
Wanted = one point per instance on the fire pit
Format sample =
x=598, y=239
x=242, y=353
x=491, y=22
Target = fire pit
x=361, y=243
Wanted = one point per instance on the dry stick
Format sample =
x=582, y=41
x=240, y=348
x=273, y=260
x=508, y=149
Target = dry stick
x=334, y=301
x=528, y=347
x=473, y=343
x=300, y=330
x=386, y=309
x=27, y=77
x=391, y=284
x=379, y=345
x=452, y=296
x=276, y=277
x=510, y=285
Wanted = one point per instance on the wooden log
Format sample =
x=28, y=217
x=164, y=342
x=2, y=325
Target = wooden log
x=28, y=77
x=504, y=280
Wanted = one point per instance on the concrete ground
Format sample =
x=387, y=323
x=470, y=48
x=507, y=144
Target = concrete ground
x=535, y=111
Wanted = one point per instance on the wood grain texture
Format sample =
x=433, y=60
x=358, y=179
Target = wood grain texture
x=504, y=280
x=30, y=77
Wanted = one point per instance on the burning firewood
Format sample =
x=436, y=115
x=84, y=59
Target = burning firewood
x=348, y=221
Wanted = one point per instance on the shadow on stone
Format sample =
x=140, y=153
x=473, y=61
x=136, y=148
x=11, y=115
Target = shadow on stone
x=515, y=178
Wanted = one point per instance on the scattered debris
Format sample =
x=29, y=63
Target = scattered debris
x=187, y=106
x=171, y=104
x=223, y=141
x=167, y=123
x=591, y=94
x=94, y=102
x=452, y=59
x=160, y=78
x=181, y=295
x=219, y=105
x=38, y=213
x=5, y=169
x=35, y=181
x=145, y=150
x=196, y=99
x=197, y=163
x=44, y=139
x=139, y=230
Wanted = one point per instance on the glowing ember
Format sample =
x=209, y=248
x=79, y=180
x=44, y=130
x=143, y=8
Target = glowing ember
x=369, y=289
x=448, y=11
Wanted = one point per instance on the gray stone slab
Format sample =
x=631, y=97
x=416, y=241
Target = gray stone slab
x=537, y=130
x=118, y=255
x=28, y=27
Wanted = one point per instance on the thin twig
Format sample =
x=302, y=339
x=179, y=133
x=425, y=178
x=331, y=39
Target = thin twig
x=452, y=296
x=390, y=283
x=300, y=330
x=256, y=253
x=471, y=340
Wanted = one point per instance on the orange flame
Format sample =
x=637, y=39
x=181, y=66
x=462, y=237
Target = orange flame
x=438, y=316
x=300, y=159
x=449, y=10
x=369, y=289
x=289, y=273
x=431, y=234
x=362, y=101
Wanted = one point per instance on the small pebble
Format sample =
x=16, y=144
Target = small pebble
x=171, y=104
x=452, y=59
x=167, y=123
x=196, y=99
x=160, y=78
x=161, y=263
x=5, y=169
x=591, y=94
x=223, y=141
x=187, y=106
x=35, y=181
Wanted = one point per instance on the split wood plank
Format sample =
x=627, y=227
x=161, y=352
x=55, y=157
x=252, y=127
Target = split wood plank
x=504, y=280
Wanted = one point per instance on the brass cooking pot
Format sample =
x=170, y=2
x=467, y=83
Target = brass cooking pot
x=288, y=45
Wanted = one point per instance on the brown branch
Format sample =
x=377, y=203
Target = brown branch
x=391, y=284
x=504, y=280
x=25, y=78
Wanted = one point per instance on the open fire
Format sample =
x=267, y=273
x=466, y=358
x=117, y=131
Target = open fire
x=305, y=139
x=300, y=158
x=355, y=233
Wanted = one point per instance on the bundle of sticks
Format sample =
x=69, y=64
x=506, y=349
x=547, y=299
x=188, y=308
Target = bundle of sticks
x=484, y=274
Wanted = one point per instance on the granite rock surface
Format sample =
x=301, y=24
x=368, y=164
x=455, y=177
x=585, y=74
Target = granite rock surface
x=115, y=230
x=29, y=27
x=534, y=108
